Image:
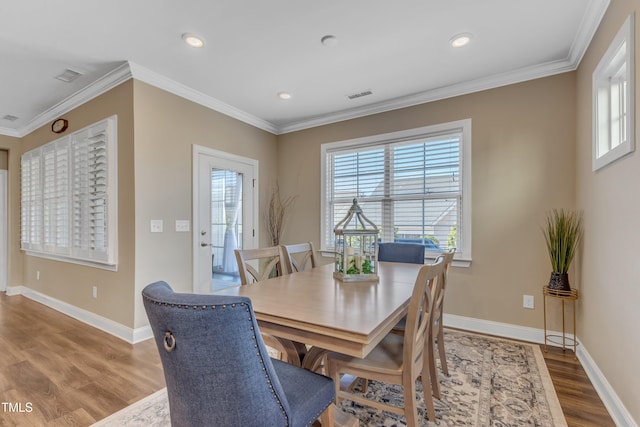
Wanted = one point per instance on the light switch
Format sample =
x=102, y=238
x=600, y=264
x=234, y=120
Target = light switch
x=182, y=225
x=156, y=226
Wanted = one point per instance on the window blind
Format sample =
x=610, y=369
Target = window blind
x=411, y=187
x=69, y=196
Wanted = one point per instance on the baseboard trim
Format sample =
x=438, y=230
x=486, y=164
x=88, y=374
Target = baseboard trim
x=132, y=336
x=618, y=412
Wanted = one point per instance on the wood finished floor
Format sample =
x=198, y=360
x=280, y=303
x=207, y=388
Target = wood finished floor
x=74, y=375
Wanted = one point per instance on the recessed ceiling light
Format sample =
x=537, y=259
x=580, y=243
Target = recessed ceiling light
x=460, y=40
x=284, y=95
x=193, y=40
x=329, y=40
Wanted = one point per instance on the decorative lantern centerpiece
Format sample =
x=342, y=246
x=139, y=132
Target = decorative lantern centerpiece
x=356, y=247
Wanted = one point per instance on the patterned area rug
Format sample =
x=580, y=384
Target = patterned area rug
x=492, y=381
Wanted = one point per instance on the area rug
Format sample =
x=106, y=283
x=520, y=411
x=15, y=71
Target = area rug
x=491, y=381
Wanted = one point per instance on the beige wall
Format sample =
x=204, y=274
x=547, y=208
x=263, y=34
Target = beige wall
x=523, y=165
x=167, y=127
x=12, y=150
x=73, y=283
x=610, y=277
x=154, y=182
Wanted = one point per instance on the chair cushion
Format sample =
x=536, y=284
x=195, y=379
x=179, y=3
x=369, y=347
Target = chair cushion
x=401, y=252
x=308, y=393
x=386, y=357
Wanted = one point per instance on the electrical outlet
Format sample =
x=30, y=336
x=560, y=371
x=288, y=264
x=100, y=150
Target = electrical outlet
x=37, y=274
x=156, y=225
x=527, y=301
x=95, y=292
x=182, y=225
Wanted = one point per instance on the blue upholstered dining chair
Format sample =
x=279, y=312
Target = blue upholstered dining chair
x=401, y=252
x=217, y=368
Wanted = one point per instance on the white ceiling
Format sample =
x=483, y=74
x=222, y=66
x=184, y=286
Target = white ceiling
x=399, y=50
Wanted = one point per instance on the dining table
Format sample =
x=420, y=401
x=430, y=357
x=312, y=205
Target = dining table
x=327, y=314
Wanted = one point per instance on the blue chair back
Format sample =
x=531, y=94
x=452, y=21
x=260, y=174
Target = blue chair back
x=216, y=366
x=401, y=252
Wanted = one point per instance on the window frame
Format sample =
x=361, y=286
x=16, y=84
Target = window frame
x=76, y=221
x=462, y=127
x=604, y=82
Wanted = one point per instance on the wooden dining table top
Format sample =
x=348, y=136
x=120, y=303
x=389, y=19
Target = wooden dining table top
x=314, y=308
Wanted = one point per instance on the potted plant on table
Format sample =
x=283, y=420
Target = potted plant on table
x=562, y=234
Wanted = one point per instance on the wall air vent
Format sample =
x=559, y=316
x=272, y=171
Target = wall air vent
x=359, y=94
x=10, y=118
x=68, y=76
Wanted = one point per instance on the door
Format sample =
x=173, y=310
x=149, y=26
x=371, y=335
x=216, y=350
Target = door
x=3, y=231
x=225, y=216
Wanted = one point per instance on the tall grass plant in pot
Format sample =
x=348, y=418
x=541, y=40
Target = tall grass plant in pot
x=563, y=234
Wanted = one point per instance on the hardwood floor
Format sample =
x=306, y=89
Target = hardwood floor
x=71, y=374
x=57, y=371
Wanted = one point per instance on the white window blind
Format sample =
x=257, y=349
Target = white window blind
x=413, y=184
x=69, y=196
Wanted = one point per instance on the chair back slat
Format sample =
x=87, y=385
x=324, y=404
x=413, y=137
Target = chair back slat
x=270, y=263
x=419, y=320
x=300, y=256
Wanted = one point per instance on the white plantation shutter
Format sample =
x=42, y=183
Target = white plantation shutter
x=77, y=208
x=31, y=201
x=411, y=184
x=55, y=169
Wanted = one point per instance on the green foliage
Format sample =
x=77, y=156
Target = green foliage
x=562, y=234
x=452, y=237
x=367, y=266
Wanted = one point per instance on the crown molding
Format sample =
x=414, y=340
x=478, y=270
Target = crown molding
x=10, y=132
x=95, y=89
x=464, y=88
x=154, y=79
x=588, y=27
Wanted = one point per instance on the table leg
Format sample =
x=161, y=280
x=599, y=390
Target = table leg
x=544, y=310
x=563, y=333
x=575, y=339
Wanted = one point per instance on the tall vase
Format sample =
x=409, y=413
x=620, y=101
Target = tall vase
x=559, y=282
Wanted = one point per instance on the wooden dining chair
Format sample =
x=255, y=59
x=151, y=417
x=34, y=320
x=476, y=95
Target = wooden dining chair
x=256, y=265
x=397, y=359
x=437, y=333
x=300, y=256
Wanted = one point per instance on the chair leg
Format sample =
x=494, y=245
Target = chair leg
x=410, y=406
x=443, y=356
x=427, y=387
x=326, y=418
x=430, y=362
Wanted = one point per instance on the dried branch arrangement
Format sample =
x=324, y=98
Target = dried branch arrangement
x=276, y=213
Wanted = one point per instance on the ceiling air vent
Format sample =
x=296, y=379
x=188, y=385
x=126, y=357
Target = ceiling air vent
x=359, y=94
x=10, y=118
x=68, y=76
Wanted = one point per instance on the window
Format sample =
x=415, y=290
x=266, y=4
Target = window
x=613, y=116
x=415, y=185
x=69, y=197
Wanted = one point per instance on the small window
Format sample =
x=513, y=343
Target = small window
x=613, y=100
x=415, y=185
x=68, y=197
